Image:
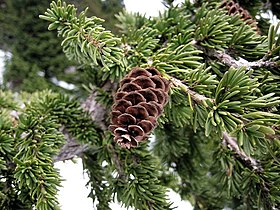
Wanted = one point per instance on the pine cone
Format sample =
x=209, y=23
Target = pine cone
x=234, y=9
x=137, y=104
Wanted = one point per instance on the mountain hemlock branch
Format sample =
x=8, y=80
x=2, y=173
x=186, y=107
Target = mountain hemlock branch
x=207, y=68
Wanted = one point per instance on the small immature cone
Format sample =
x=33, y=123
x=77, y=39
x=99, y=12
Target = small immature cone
x=234, y=8
x=137, y=104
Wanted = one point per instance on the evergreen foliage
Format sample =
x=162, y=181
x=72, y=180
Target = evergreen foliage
x=37, y=61
x=216, y=143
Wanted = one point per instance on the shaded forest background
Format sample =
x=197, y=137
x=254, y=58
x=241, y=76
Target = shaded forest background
x=38, y=62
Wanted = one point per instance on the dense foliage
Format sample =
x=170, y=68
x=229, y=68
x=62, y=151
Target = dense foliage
x=216, y=143
x=38, y=62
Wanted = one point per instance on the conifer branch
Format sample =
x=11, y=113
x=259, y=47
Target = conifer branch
x=98, y=114
x=201, y=99
x=96, y=110
x=232, y=144
x=117, y=162
x=230, y=100
x=227, y=59
x=71, y=149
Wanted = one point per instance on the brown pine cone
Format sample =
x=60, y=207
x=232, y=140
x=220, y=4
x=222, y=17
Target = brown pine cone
x=137, y=104
x=234, y=9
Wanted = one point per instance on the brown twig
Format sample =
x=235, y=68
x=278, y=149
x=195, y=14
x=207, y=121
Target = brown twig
x=71, y=149
x=232, y=144
x=194, y=95
x=98, y=114
x=117, y=162
x=230, y=61
x=150, y=205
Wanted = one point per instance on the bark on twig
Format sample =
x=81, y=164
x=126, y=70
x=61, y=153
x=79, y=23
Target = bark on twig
x=232, y=144
x=230, y=61
x=194, y=95
x=70, y=150
x=98, y=113
x=150, y=205
x=118, y=163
